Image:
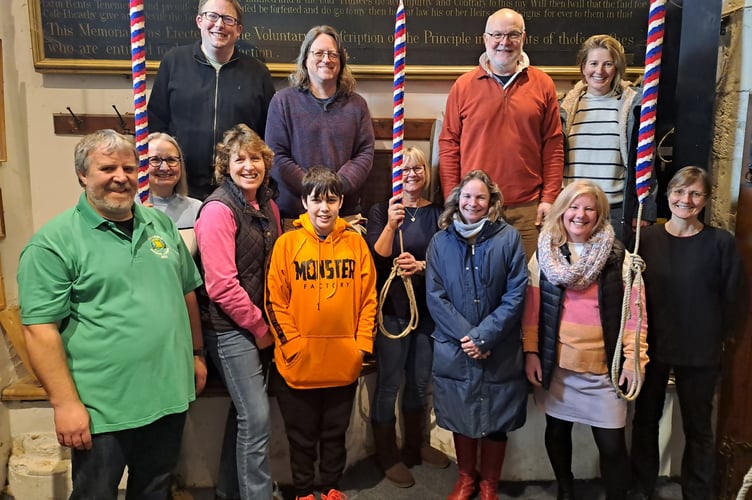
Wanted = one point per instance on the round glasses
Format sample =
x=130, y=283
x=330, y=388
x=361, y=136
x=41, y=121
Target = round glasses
x=413, y=170
x=171, y=161
x=695, y=195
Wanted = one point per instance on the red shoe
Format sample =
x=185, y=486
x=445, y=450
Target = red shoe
x=307, y=497
x=333, y=495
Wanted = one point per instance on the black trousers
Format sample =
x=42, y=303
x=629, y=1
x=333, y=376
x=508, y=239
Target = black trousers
x=695, y=387
x=315, y=418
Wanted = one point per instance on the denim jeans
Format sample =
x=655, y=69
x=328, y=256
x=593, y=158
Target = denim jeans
x=151, y=453
x=410, y=356
x=236, y=357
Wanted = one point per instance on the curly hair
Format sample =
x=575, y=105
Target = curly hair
x=452, y=205
x=240, y=137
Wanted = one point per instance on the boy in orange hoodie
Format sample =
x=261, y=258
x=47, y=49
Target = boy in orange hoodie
x=321, y=305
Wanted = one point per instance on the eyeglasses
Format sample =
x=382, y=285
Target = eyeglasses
x=413, y=170
x=512, y=36
x=171, y=161
x=318, y=55
x=213, y=17
x=695, y=195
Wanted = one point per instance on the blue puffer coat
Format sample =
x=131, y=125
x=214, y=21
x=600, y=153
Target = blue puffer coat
x=478, y=290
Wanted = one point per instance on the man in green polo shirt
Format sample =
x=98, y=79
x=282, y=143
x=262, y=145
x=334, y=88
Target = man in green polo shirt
x=112, y=326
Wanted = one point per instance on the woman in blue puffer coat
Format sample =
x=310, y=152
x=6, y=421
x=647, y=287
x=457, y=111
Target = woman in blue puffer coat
x=476, y=278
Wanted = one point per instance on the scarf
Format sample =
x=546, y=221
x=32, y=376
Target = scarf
x=580, y=275
x=466, y=230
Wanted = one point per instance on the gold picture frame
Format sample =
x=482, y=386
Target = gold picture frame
x=97, y=41
x=2, y=216
x=3, y=149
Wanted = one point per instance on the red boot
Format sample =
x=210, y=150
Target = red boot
x=467, y=457
x=491, y=460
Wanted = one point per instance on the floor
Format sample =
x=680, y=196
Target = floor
x=364, y=481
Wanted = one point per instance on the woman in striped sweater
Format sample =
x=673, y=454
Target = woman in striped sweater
x=599, y=117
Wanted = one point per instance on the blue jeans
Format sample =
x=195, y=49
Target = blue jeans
x=410, y=356
x=151, y=453
x=236, y=357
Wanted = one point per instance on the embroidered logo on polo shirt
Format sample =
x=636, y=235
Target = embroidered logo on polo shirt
x=159, y=246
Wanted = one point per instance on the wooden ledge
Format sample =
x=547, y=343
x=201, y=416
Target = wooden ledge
x=23, y=391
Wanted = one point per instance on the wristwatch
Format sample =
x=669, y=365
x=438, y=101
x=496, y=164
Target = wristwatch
x=200, y=352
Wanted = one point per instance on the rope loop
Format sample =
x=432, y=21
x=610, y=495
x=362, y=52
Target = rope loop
x=631, y=277
x=408, y=282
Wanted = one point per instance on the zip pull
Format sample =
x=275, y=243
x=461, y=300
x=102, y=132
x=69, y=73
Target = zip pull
x=472, y=249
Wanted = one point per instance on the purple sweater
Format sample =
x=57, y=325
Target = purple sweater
x=304, y=132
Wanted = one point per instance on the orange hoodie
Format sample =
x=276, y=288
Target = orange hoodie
x=321, y=305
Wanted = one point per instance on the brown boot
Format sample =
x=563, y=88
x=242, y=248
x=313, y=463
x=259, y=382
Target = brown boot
x=467, y=457
x=417, y=448
x=491, y=461
x=388, y=455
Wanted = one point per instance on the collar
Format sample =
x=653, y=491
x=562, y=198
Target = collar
x=94, y=220
x=522, y=64
x=198, y=54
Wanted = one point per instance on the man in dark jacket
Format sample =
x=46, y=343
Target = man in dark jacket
x=205, y=88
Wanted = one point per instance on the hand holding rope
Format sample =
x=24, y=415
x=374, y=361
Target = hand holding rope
x=407, y=281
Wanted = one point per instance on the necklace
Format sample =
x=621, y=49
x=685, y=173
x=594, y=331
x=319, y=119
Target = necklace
x=412, y=214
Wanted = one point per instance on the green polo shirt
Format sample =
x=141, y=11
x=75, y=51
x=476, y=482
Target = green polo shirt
x=120, y=304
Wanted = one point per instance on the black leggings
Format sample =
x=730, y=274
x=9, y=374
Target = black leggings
x=612, y=448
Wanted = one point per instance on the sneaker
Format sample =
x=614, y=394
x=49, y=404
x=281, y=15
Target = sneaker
x=307, y=497
x=333, y=495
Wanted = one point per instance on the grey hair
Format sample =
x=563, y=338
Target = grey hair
x=107, y=140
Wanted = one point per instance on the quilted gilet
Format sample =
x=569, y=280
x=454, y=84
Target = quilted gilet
x=610, y=294
x=254, y=238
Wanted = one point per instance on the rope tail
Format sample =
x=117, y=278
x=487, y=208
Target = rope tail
x=643, y=172
x=408, y=282
x=632, y=277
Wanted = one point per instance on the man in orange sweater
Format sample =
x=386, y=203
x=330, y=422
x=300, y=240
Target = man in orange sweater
x=503, y=117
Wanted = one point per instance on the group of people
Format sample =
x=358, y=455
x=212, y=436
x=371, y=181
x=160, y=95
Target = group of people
x=513, y=282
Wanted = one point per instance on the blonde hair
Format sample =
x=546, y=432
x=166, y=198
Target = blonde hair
x=615, y=50
x=419, y=159
x=452, y=205
x=554, y=222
